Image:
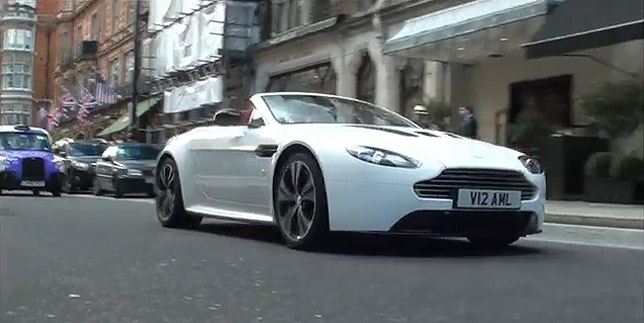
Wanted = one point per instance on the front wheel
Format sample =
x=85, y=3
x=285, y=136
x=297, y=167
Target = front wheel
x=300, y=202
x=171, y=212
x=96, y=188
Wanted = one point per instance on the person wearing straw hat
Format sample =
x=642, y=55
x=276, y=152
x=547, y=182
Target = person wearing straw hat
x=421, y=114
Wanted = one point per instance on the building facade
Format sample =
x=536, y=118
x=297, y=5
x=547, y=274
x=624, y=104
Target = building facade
x=18, y=22
x=487, y=54
x=196, y=53
x=96, y=42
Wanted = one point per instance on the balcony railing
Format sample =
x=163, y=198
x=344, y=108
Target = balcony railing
x=87, y=49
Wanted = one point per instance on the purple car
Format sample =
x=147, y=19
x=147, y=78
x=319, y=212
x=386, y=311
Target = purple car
x=27, y=162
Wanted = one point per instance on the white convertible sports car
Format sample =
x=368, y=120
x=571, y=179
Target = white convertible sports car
x=313, y=163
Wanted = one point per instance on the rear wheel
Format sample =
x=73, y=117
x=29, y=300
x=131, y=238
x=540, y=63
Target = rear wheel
x=300, y=202
x=169, y=199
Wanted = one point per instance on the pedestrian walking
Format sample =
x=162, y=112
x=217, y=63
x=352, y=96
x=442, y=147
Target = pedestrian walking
x=469, y=125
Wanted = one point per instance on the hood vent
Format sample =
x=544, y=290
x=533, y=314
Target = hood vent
x=394, y=131
x=428, y=134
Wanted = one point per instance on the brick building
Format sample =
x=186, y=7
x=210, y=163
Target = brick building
x=96, y=36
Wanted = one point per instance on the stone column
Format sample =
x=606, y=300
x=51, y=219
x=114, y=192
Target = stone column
x=388, y=81
x=346, y=69
x=434, y=83
x=261, y=81
x=456, y=89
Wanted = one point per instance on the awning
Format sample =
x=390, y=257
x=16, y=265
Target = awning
x=582, y=24
x=124, y=121
x=463, y=20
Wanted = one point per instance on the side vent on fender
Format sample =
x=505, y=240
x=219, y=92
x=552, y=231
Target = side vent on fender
x=265, y=150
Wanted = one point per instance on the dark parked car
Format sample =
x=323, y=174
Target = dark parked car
x=126, y=168
x=80, y=159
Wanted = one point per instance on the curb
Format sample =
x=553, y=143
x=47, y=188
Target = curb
x=621, y=223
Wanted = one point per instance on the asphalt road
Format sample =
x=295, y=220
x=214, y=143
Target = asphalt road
x=85, y=259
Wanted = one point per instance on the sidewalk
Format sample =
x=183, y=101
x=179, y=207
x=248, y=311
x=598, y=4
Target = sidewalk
x=595, y=214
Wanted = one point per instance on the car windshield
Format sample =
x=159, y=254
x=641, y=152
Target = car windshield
x=24, y=141
x=137, y=152
x=299, y=108
x=83, y=149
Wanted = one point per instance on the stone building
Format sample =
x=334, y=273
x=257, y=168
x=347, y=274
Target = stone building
x=18, y=24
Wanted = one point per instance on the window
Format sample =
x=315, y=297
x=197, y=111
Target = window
x=287, y=15
x=16, y=76
x=129, y=66
x=95, y=27
x=114, y=72
x=79, y=35
x=15, y=114
x=131, y=12
x=115, y=15
x=31, y=3
x=21, y=39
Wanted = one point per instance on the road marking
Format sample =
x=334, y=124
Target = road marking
x=584, y=243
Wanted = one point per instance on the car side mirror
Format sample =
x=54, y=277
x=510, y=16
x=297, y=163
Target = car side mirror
x=256, y=123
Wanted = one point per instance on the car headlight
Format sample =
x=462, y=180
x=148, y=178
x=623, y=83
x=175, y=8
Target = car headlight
x=134, y=172
x=79, y=165
x=382, y=157
x=59, y=166
x=4, y=163
x=531, y=164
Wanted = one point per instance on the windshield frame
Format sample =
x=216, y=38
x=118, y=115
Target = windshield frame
x=98, y=146
x=127, y=147
x=405, y=122
x=28, y=133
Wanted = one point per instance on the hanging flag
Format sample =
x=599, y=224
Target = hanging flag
x=86, y=104
x=66, y=99
x=104, y=92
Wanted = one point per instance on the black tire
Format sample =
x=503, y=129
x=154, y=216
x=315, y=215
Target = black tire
x=313, y=214
x=96, y=188
x=493, y=242
x=36, y=192
x=118, y=190
x=56, y=192
x=68, y=186
x=169, y=206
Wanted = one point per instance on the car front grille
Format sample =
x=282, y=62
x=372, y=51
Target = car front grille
x=446, y=185
x=33, y=169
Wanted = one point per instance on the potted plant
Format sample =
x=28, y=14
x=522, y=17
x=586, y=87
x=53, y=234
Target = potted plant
x=614, y=178
x=530, y=132
x=615, y=108
x=597, y=176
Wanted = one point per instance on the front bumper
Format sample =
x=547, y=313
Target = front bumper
x=82, y=179
x=138, y=184
x=10, y=181
x=394, y=207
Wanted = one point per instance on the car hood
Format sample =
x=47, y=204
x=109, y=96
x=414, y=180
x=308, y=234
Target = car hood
x=427, y=146
x=26, y=154
x=85, y=159
x=139, y=164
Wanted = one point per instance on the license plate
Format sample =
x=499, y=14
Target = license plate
x=488, y=199
x=32, y=184
x=149, y=180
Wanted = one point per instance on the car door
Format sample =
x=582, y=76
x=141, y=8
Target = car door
x=104, y=167
x=250, y=155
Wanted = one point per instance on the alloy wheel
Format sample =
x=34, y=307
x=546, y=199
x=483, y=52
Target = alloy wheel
x=296, y=200
x=166, y=196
